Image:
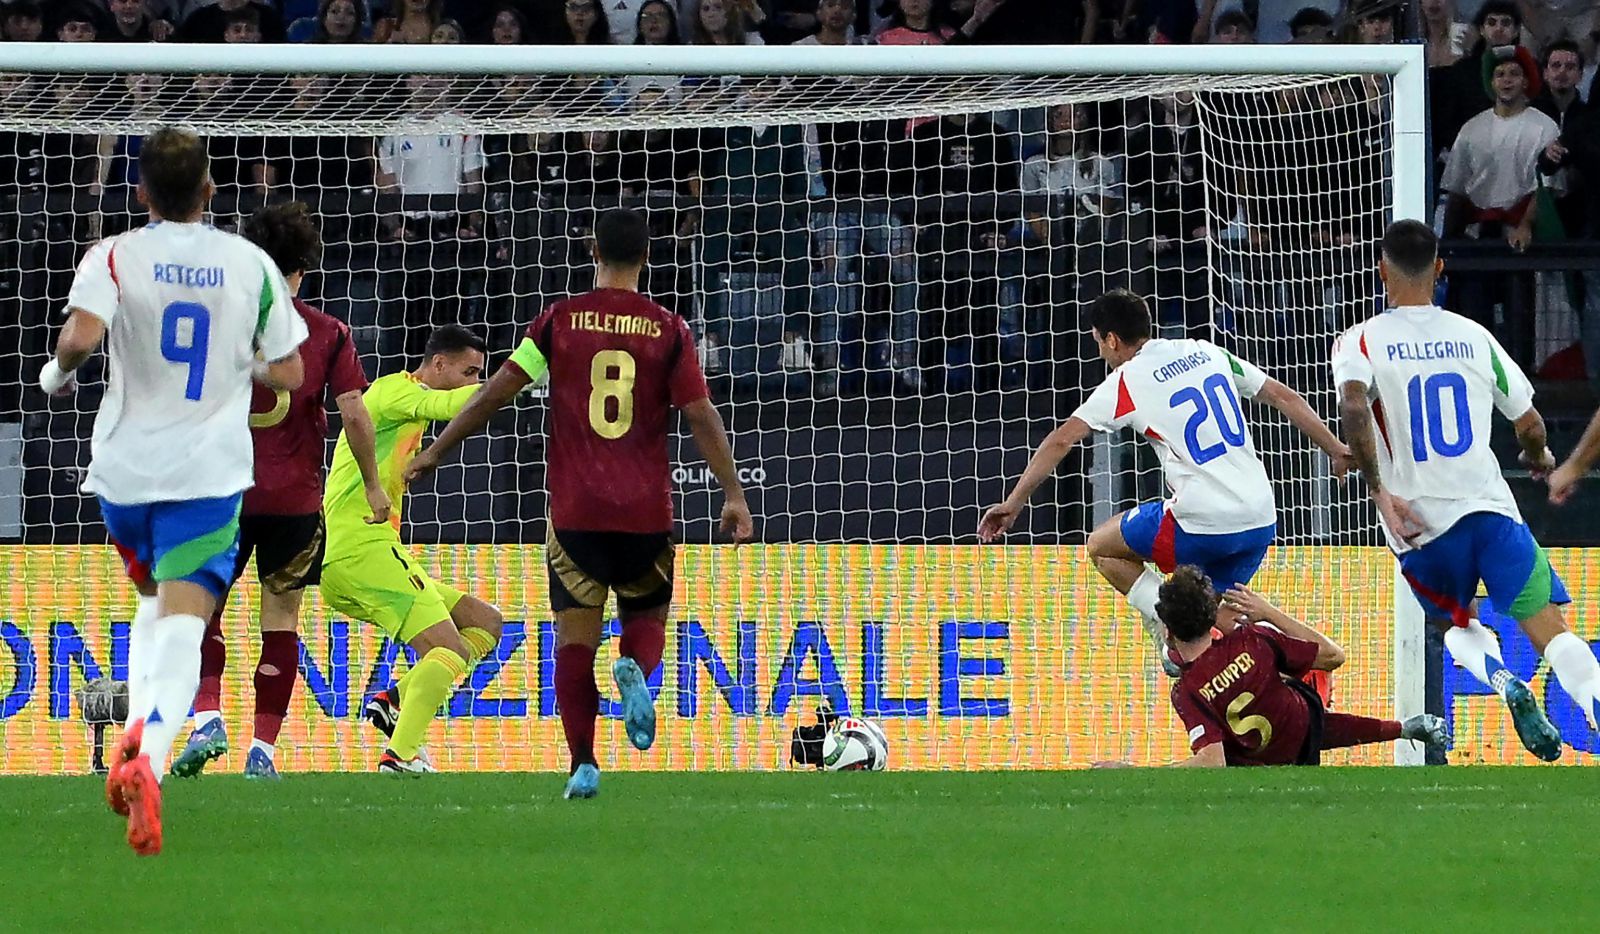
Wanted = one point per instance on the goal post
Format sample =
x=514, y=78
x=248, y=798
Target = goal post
x=888, y=359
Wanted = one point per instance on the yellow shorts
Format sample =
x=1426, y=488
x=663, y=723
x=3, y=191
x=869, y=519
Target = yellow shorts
x=380, y=583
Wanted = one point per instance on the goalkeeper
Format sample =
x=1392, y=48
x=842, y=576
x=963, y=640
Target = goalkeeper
x=369, y=575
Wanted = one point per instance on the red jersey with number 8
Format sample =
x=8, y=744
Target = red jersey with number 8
x=1235, y=694
x=619, y=363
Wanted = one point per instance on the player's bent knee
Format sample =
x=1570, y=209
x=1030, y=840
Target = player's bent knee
x=470, y=612
x=441, y=635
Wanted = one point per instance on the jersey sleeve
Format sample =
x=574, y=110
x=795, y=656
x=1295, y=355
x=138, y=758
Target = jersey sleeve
x=1295, y=656
x=95, y=288
x=344, y=370
x=1247, y=377
x=1350, y=362
x=1513, y=391
x=1198, y=719
x=1108, y=407
x=686, y=381
x=409, y=401
x=529, y=359
x=279, y=328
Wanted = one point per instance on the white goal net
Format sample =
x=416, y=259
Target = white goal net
x=887, y=277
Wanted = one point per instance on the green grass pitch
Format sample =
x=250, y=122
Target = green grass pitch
x=1458, y=849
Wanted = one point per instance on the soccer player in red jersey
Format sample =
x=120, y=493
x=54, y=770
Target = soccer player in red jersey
x=1240, y=696
x=281, y=519
x=618, y=363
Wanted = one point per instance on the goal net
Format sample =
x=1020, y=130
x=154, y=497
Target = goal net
x=887, y=277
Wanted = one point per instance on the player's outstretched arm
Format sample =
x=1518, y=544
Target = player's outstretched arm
x=1258, y=609
x=1564, y=480
x=79, y=338
x=362, y=437
x=1356, y=418
x=998, y=519
x=501, y=388
x=711, y=437
x=1295, y=407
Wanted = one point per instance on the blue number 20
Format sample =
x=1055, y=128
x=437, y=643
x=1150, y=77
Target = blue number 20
x=1217, y=400
x=1425, y=399
x=187, y=344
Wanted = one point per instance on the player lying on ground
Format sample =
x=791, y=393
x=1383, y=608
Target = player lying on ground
x=1240, y=696
x=1183, y=396
x=618, y=364
x=189, y=314
x=1419, y=387
x=281, y=523
x=369, y=575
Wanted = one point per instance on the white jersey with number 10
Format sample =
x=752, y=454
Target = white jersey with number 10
x=1183, y=395
x=186, y=307
x=1434, y=380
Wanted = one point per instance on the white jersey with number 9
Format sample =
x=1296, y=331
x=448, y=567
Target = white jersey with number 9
x=186, y=308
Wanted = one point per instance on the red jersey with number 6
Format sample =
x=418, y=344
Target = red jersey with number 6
x=619, y=363
x=1235, y=694
x=290, y=429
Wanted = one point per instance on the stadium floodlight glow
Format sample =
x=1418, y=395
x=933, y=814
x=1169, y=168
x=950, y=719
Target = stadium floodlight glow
x=876, y=445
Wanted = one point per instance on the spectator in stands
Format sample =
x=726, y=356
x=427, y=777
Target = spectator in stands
x=1233, y=28
x=509, y=26
x=1165, y=176
x=1455, y=93
x=207, y=23
x=340, y=21
x=1376, y=22
x=663, y=167
x=1158, y=22
x=915, y=22
x=1073, y=166
x=963, y=164
x=725, y=22
x=1446, y=38
x=1563, y=68
x=1579, y=154
x=1311, y=26
x=835, y=21
x=1490, y=179
x=1550, y=20
x=791, y=21
x=657, y=24
x=242, y=27
x=78, y=22
x=131, y=22
x=411, y=22
x=23, y=22
x=586, y=24
x=867, y=180
x=979, y=13
x=448, y=32
x=1268, y=19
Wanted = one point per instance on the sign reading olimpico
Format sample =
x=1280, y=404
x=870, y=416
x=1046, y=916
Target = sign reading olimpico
x=971, y=658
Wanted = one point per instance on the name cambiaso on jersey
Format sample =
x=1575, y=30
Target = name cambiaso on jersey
x=1434, y=380
x=186, y=308
x=1183, y=395
x=618, y=365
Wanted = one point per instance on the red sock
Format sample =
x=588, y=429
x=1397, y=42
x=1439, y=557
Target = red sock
x=275, y=674
x=643, y=637
x=213, y=659
x=578, y=699
x=1344, y=729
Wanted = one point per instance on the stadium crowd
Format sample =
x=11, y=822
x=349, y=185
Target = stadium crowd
x=935, y=254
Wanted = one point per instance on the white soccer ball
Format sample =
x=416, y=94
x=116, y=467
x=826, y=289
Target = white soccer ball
x=853, y=744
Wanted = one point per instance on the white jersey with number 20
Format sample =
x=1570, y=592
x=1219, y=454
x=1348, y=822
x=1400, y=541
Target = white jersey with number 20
x=1183, y=395
x=186, y=308
x=1434, y=380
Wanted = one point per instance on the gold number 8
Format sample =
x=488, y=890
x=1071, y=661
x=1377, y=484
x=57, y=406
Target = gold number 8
x=604, y=386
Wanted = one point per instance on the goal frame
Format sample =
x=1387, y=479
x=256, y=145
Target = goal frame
x=1405, y=65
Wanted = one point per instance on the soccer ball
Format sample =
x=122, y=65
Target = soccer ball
x=852, y=744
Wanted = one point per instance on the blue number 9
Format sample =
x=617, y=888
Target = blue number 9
x=185, y=338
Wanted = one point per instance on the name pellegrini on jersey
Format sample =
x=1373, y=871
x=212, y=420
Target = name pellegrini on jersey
x=1430, y=350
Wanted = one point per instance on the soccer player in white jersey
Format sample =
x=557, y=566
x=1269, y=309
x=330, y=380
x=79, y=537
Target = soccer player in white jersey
x=1183, y=395
x=1418, y=388
x=189, y=314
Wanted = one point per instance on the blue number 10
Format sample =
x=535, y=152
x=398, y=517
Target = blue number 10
x=1425, y=399
x=185, y=338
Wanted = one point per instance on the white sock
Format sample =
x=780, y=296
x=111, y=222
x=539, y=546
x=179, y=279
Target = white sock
x=267, y=748
x=141, y=645
x=1577, y=670
x=1143, y=596
x=202, y=718
x=174, y=677
x=1475, y=648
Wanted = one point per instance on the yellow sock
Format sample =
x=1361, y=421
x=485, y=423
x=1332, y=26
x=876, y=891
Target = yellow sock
x=427, y=685
x=479, y=645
